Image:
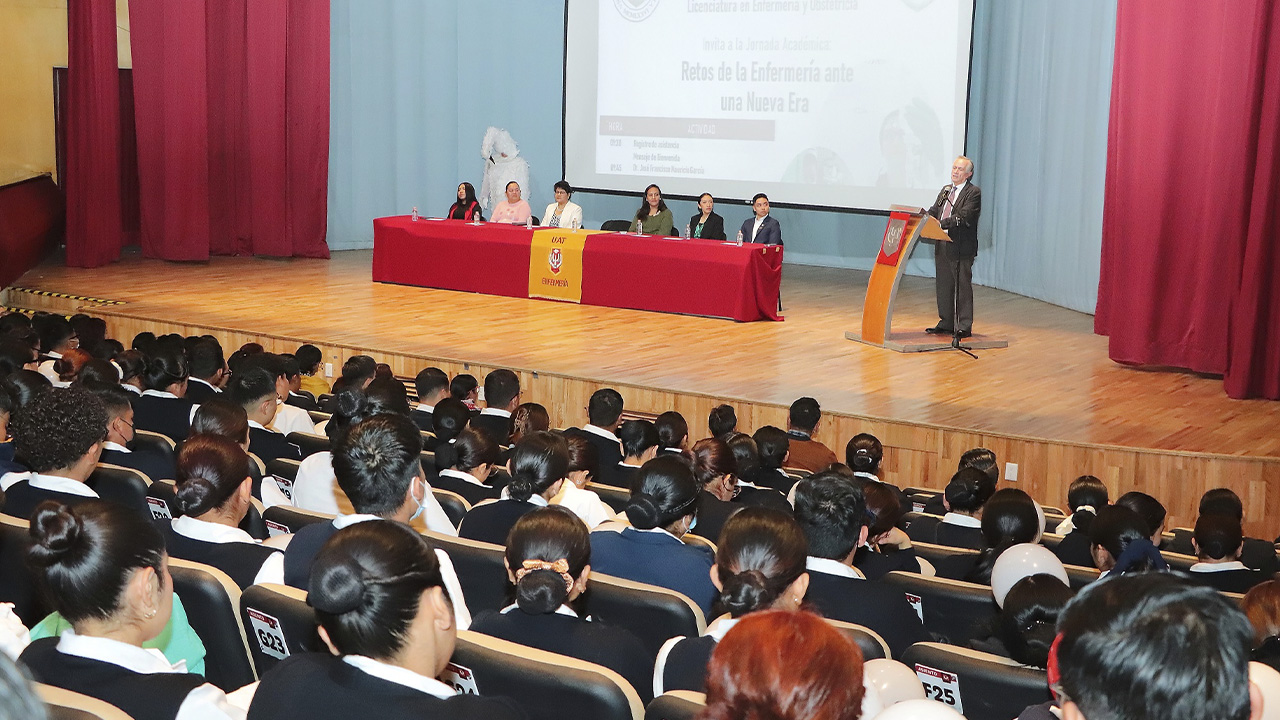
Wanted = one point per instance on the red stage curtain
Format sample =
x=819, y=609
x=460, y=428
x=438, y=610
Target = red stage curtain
x=92, y=179
x=1188, y=264
x=232, y=104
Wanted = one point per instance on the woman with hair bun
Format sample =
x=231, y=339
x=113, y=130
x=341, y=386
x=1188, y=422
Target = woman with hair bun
x=760, y=564
x=548, y=561
x=67, y=368
x=1008, y=518
x=584, y=463
x=663, y=506
x=539, y=464
x=964, y=496
x=357, y=372
x=384, y=612
x=715, y=468
x=162, y=407
x=132, y=364
x=213, y=492
x=104, y=569
x=474, y=455
x=863, y=455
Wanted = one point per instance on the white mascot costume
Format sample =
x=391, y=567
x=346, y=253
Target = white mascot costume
x=502, y=164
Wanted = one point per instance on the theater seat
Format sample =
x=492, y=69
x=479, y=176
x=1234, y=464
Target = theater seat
x=318, y=416
x=653, y=614
x=286, y=518
x=547, y=686
x=279, y=622
x=989, y=686
x=120, y=485
x=162, y=500
x=480, y=568
x=676, y=705
x=935, y=553
x=212, y=602
x=454, y=505
x=63, y=704
x=615, y=498
x=952, y=610
x=308, y=443
x=697, y=540
x=921, y=527
x=1178, y=561
x=873, y=646
x=154, y=442
x=1078, y=577
x=1052, y=520
x=285, y=471
x=18, y=586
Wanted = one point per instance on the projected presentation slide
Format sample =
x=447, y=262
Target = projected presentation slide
x=838, y=103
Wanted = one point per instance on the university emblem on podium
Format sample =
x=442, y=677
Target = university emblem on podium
x=555, y=259
x=893, y=238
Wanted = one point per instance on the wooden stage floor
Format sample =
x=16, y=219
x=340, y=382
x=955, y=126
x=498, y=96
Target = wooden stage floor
x=1054, y=381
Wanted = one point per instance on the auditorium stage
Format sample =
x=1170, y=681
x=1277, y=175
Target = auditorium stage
x=1053, y=393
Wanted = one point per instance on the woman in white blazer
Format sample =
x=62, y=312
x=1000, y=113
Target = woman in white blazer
x=563, y=213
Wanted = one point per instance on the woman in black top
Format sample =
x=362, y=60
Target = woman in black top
x=1008, y=518
x=474, y=455
x=384, y=613
x=548, y=561
x=466, y=208
x=539, y=464
x=706, y=224
x=163, y=407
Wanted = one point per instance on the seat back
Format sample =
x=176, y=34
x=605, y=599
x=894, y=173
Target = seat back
x=691, y=539
x=977, y=684
x=308, y=443
x=873, y=646
x=280, y=623
x=212, y=602
x=934, y=553
x=676, y=705
x=17, y=585
x=480, y=568
x=921, y=527
x=546, y=685
x=281, y=519
x=318, y=416
x=1181, y=541
x=615, y=225
x=919, y=496
x=1052, y=520
x=154, y=442
x=1078, y=577
x=615, y=498
x=952, y=610
x=162, y=500
x=120, y=485
x=1178, y=561
x=454, y=505
x=653, y=614
x=63, y=704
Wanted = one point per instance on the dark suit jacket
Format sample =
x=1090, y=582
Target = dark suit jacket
x=1232, y=581
x=497, y=427
x=618, y=476
x=1075, y=549
x=153, y=465
x=198, y=392
x=302, y=400
x=423, y=420
x=608, y=453
x=657, y=559
x=164, y=415
x=269, y=445
x=962, y=226
x=770, y=231
x=469, y=491
x=875, y=565
x=491, y=522
x=713, y=513
x=712, y=229
x=882, y=608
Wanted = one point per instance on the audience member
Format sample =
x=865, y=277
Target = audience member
x=548, y=559
x=1026, y=625
x=714, y=468
x=449, y=419
x=315, y=484
x=23, y=385
x=1262, y=606
x=1150, y=510
x=17, y=355
x=309, y=358
x=784, y=666
x=1257, y=554
x=722, y=421
x=163, y=407
x=358, y=371
x=1123, y=652
x=97, y=373
x=67, y=368
x=747, y=460
x=963, y=498
x=640, y=443
x=287, y=418
x=465, y=388
x=59, y=435
x=474, y=456
x=133, y=368
x=1121, y=542
x=254, y=388
x=208, y=370
x=501, y=397
x=387, y=612
x=56, y=337
x=528, y=418
x=760, y=564
x=297, y=397
x=1218, y=542
x=1085, y=497
x=673, y=432
x=604, y=415
x=432, y=386
x=663, y=504
x=8, y=461
x=213, y=494
x=775, y=449
x=802, y=450
x=539, y=465
x=887, y=548
x=653, y=217
x=574, y=495
x=1008, y=518
x=832, y=515
x=863, y=454
x=105, y=571
x=120, y=433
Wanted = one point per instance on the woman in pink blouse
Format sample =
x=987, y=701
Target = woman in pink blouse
x=513, y=209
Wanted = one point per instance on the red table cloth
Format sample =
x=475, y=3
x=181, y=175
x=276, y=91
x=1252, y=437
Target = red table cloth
x=693, y=277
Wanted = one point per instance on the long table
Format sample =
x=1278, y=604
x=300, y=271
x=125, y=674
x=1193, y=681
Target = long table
x=693, y=277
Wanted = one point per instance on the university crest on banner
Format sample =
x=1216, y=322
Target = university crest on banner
x=555, y=263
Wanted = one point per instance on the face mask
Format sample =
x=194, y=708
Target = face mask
x=416, y=501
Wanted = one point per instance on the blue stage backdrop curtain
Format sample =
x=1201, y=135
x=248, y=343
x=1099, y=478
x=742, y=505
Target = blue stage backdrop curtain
x=416, y=82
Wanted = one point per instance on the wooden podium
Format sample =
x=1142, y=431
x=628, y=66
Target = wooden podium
x=907, y=226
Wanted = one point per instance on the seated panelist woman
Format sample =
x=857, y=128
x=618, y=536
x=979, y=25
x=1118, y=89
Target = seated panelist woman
x=653, y=217
x=706, y=224
x=562, y=213
x=514, y=209
x=466, y=208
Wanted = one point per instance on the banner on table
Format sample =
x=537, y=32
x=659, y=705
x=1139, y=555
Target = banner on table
x=555, y=264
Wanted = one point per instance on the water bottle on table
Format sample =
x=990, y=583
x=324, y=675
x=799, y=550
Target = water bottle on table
x=413, y=216
x=688, y=232
x=528, y=223
x=739, y=237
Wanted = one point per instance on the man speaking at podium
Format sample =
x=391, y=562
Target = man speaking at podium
x=957, y=209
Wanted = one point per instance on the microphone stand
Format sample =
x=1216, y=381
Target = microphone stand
x=955, y=345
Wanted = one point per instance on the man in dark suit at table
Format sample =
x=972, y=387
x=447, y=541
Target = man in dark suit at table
x=761, y=228
x=957, y=209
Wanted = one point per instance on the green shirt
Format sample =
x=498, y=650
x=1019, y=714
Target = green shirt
x=177, y=641
x=659, y=224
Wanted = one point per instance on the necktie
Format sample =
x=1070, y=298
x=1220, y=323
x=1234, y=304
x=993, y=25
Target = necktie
x=946, y=207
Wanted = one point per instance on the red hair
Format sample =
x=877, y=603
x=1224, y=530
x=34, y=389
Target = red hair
x=784, y=665
x=712, y=458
